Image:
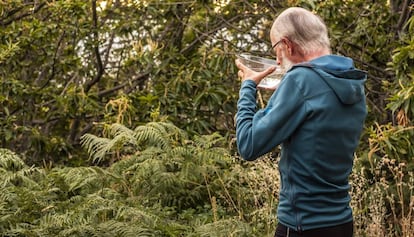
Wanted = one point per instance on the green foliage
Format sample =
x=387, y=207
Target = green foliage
x=393, y=142
x=170, y=168
x=64, y=62
x=366, y=32
x=68, y=66
x=171, y=186
x=402, y=99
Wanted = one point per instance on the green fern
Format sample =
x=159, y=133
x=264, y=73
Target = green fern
x=114, y=228
x=97, y=147
x=168, y=167
x=163, y=183
x=227, y=227
x=13, y=171
x=159, y=134
x=10, y=161
x=87, y=178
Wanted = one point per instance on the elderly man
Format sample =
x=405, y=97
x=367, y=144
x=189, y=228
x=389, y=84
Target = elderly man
x=317, y=114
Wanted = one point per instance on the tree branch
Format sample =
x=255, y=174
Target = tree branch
x=374, y=67
x=21, y=16
x=100, y=68
x=118, y=87
x=204, y=36
x=403, y=17
x=55, y=56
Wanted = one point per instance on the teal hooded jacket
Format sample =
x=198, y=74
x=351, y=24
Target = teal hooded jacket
x=317, y=115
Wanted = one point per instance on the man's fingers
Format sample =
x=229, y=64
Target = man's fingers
x=266, y=72
x=240, y=65
x=270, y=70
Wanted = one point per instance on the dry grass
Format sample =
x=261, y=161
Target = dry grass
x=383, y=206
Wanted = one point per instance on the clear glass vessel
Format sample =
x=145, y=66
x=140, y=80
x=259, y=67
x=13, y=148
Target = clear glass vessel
x=259, y=64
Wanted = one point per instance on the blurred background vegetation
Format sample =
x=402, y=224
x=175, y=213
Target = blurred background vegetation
x=117, y=116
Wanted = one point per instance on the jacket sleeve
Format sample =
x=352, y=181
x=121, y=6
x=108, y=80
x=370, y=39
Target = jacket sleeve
x=258, y=132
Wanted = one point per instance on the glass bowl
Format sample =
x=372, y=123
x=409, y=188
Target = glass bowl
x=259, y=64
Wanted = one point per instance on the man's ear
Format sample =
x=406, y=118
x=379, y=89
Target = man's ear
x=288, y=45
x=293, y=49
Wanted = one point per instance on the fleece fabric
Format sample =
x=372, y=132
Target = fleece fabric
x=316, y=115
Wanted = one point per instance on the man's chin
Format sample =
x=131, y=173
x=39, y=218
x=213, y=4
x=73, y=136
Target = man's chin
x=287, y=65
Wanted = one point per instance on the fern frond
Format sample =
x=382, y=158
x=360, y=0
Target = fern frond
x=97, y=147
x=7, y=216
x=133, y=214
x=123, y=229
x=119, y=130
x=152, y=136
x=78, y=230
x=225, y=227
x=214, y=155
x=22, y=177
x=10, y=161
x=161, y=134
x=21, y=229
x=72, y=214
x=208, y=141
x=88, y=179
x=168, y=129
x=182, y=151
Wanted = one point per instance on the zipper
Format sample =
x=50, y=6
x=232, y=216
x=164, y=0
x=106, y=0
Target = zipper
x=295, y=210
x=293, y=196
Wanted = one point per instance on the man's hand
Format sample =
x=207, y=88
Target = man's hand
x=246, y=73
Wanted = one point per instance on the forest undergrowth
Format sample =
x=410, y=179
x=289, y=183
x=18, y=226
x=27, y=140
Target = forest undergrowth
x=160, y=183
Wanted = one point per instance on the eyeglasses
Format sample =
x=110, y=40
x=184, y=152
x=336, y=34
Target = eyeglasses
x=271, y=50
x=278, y=42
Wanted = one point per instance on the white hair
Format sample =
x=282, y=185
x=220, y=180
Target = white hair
x=302, y=27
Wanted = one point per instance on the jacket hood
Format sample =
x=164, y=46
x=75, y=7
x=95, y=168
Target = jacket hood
x=341, y=76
